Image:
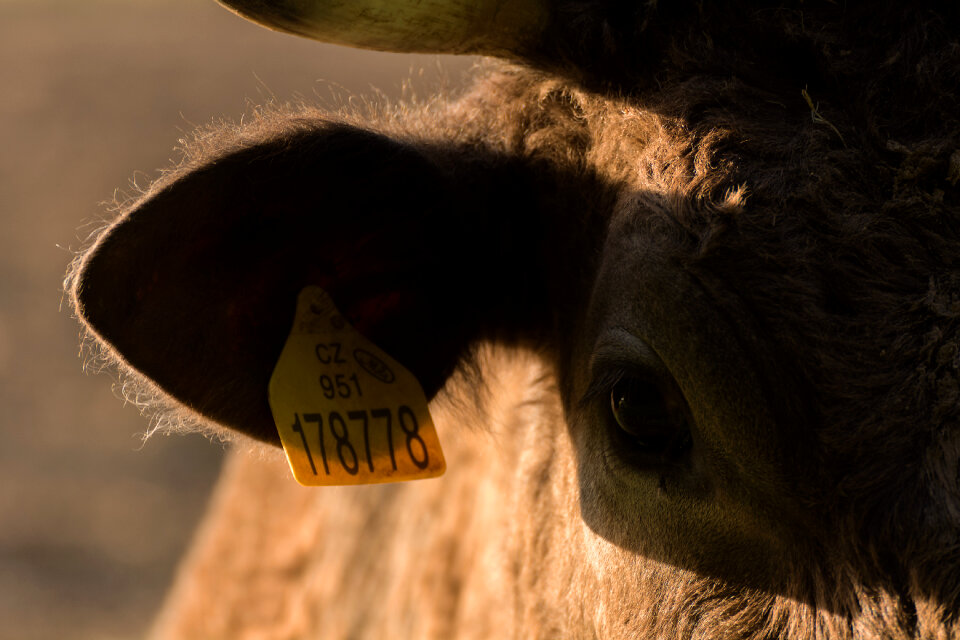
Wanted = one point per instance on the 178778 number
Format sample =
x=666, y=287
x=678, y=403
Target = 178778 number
x=346, y=452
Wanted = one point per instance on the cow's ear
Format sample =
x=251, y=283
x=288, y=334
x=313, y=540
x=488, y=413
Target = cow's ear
x=423, y=248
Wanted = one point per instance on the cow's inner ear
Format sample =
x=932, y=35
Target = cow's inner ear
x=422, y=249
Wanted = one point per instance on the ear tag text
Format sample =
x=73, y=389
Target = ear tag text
x=346, y=412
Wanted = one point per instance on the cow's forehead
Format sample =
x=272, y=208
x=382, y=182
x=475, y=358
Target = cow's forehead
x=841, y=295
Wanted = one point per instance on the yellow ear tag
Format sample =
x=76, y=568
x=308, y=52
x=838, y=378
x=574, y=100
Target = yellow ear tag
x=346, y=411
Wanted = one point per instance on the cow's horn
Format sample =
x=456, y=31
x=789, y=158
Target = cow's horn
x=494, y=27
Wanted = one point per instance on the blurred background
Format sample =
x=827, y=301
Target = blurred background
x=95, y=94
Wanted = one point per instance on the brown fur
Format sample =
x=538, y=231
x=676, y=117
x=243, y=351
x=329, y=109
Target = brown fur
x=796, y=271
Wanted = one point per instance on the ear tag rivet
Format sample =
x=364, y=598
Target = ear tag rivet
x=347, y=412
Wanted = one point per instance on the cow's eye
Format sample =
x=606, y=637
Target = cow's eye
x=651, y=422
x=639, y=409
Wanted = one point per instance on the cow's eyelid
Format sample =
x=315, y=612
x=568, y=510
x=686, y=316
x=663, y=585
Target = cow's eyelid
x=601, y=385
x=618, y=352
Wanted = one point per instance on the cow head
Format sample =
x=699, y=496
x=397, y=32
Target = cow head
x=727, y=232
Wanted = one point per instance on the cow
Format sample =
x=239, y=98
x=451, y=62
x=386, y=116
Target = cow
x=680, y=279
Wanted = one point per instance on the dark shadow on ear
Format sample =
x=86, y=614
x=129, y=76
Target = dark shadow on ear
x=425, y=248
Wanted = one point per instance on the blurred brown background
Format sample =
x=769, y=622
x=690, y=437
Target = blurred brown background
x=95, y=94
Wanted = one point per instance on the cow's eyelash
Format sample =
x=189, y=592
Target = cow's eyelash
x=601, y=386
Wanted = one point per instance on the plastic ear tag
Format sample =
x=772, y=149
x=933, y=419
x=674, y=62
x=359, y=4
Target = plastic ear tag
x=347, y=412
